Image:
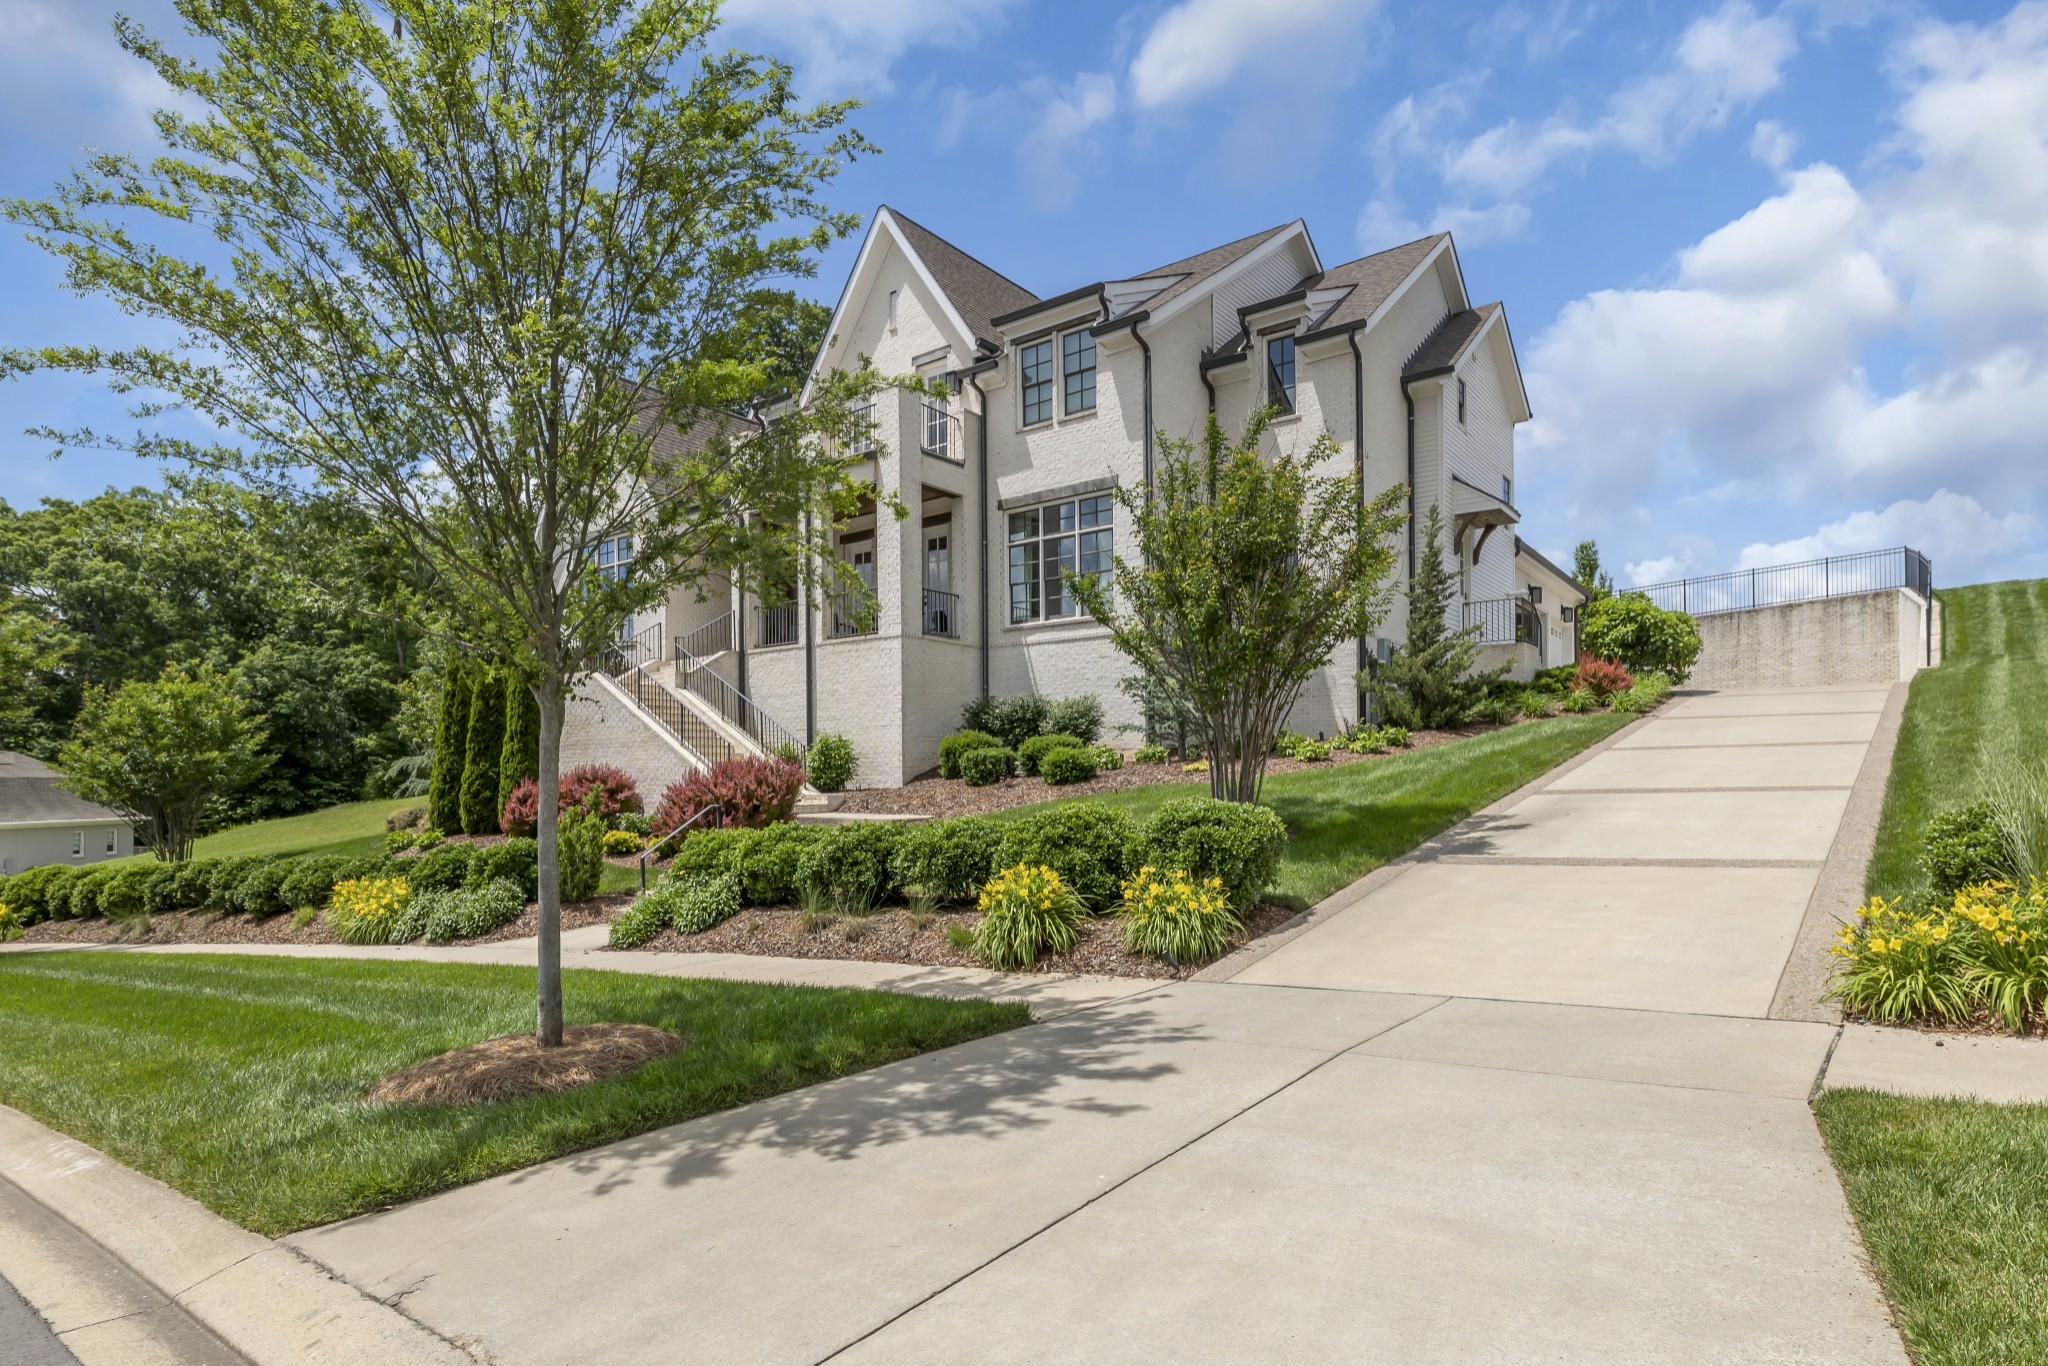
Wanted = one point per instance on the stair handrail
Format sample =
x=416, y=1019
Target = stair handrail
x=733, y=705
x=651, y=850
x=713, y=637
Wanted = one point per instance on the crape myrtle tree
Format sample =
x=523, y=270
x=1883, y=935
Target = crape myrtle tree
x=459, y=264
x=1250, y=573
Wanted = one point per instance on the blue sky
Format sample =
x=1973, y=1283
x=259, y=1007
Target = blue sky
x=1778, y=274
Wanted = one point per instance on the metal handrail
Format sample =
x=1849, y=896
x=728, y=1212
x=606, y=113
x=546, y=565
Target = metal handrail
x=712, y=638
x=778, y=625
x=695, y=676
x=668, y=709
x=1836, y=576
x=651, y=850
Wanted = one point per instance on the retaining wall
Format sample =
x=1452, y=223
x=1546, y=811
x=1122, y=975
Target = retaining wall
x=1878, y=637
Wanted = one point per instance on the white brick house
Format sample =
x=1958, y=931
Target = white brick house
x=1054, y=403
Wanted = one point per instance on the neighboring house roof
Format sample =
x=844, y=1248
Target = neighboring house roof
x=1370, y=281
x=1523, y=550
x=978, y=291
x=1439, y=355
x=29, y=795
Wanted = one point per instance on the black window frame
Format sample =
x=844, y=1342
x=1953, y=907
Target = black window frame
x=1282, y=375
x=1461, y=401
x=1071, y=346
x=1036, y=394
x=1082, y=540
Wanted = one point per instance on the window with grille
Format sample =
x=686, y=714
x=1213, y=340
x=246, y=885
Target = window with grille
x=1034, y=369
x=1077, y=371
x=1280, y=373
x=1047, y=542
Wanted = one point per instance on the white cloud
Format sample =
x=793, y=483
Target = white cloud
x=1722, y=62
x=1773, y=144
x=852, y=45
x=1952, y=529
x=1198, y=46
x=1069, y=116
x=61, y=68
x=1661, y=570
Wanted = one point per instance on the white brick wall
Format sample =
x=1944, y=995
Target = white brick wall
x=600, y=726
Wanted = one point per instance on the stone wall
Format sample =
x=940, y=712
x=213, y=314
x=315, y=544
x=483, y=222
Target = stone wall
x=1868, y=638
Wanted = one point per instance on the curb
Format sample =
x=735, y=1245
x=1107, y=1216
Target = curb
x=260, y=1297
x=1349, y=895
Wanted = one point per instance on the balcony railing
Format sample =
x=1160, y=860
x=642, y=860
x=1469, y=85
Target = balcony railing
x=778, y=625
x=941, y=613
x=938, y=434
x=1838, y=576
x=1502, y=621
x=854, y=613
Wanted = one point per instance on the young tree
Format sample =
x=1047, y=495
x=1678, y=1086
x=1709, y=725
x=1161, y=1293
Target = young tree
x=1430, y=681
x=160, y=752
x=1597, y=582
x=451, y=749
x=484, y=744
x=1250, y=573
x=461, y=264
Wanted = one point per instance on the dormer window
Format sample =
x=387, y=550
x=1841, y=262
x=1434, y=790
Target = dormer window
x=1280, y=373
x=1461, y=403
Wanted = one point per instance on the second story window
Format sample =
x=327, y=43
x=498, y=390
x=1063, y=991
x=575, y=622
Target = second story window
x=614, y=558
x=1280, y=373
x=1461, y=403
x=1077, y=371
x=1034, y=373
x=1507, y=490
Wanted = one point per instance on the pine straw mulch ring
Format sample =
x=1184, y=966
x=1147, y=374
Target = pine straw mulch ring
x=514, y=1065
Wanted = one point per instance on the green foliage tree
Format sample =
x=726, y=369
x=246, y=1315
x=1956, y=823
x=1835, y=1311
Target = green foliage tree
x=1250, y=573
x=485, y=746
x=1645, y=637
x=1597, y=582
x=328, y=711
x=451, y=749
x=159, y=752
x=462, y=270
x=32, y=656
x=1431, y=680
x=520, y=758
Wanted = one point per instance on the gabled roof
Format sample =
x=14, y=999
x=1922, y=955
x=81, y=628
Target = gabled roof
x=1440, y=353
x=29, y=795
x=1371, y=280
x=1199, y=267
x=977, y=291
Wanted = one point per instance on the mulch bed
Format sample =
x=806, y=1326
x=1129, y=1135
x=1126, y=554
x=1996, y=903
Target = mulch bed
x=938, y=797
x=514, y=1065
x=1982, y=1025
x=196, y=927
x=895, y=935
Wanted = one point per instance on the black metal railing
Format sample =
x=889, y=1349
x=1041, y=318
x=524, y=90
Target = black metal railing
x=1837, y=576
x=778, y=625
x=1502, y=621
x=733, y=706
x=941, y=613
x=855, y=613
x=712, y=638
x=666, y=708
x=643, y=648
x=938, y=436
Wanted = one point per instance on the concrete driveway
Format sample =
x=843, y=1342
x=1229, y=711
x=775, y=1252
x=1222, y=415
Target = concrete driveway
x=1519, y=1102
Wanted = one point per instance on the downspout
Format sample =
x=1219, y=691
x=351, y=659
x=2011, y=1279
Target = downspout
x=1365, y=660
x=1408, y=397
x=1210, y=385
x=810, y=647
x=972, y=376
x=1146, y=347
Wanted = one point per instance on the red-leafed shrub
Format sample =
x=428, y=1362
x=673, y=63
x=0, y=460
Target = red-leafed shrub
x=615, y=790
x=1602, y=677
x=754, y=793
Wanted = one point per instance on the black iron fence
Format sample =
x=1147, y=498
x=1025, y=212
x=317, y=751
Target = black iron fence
x=1837, y=576
x=941, y=613
x=1502, y=621
x=854, y=613
x=734, y=706
x=778, y=625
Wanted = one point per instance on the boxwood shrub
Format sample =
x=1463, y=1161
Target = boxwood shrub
x=1086, y=843
x=1965, y=846
x=443, y=868
x=959, y=743
x=41, y=893
x=515, y=860
x=849, y=865
x=1208, y=838
x=948, y=861
x=990, y=764
x=1063, y=766
x=1038, y=746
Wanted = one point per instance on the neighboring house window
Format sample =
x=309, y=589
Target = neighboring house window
x=1507, y=490
x=1034, y=368
x=1461, y=402
x=1077, y=370
x=1280, y=373
x=110, y=842
x=78, y=844
x=1045, y=542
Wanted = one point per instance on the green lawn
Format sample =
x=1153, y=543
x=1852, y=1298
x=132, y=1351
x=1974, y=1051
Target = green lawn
x=355, y=828
x=1348, y=819
x=1952, y=1198
x=240, y=1080
x=1985, y=706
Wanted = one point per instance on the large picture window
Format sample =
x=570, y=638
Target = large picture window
x=1034, y=370
x=1045, y=542
x=1077, y=372
x=1280, y=373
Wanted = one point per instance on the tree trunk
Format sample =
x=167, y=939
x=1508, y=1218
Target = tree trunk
x=549, y=693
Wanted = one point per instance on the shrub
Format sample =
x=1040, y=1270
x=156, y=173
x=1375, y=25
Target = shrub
x=440, y=870
x=259, y=891
x=1647, y=692
x=982, y=767
x=1151, y=754
x=832, y=763
x=1964, y=846
x=1108, y=759
x=704, y=903
x=1556, y=680
x=748, y=791
x=1602, y=677
x=635, y=821
x=1206, y=838
x=514, y=860
x=1578, y=700
x=1086, y=843
x=1534, y=703
x=1499, y=711
x=1013, y=720
x=948, y=861
x=366, y=910
x=1397, y=737
x=193, y=887
x=1077, y=716
x=408, y=819
x=648, y=916
x=850, y=866
x=521, y=813
x=769, y=860
x=1038, y=746
x=161, y=895
x=580, y=856
x=41, y=893
x=1025, y=910
x=428, y=839
x=1643, y=636
x=1365, y=740
x=622, y=843
x=1167, y=913
x=1063, y=766
x=12, y=923
x=410, y=924
x=86, y=890
x=615, y=790
x=398, y=841
x=468, y=912
x=121, y=896
x=957, y=744
x=311, y=882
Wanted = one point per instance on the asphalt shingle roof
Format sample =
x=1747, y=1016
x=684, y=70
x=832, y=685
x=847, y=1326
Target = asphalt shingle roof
x=29, y=795
x=1441, y=351
x=1194, y=269
x=1373, y=280
x=978, y=291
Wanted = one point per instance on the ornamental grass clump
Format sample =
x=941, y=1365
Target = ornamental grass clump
x=366, y=910
x=1985, y=949
x=1026, y=910
x=1176, y=917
